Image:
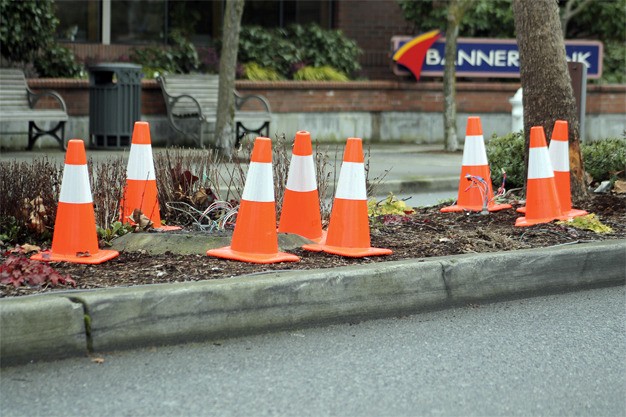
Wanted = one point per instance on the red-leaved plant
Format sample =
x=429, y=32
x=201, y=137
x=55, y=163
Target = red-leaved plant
x=19, y=271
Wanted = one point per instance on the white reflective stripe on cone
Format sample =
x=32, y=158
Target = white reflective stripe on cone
x=75, y=186
x=559, y=155
x=474, y=152
x=259, y=183
x=539, y=165
x=140, y=163
x=351, y=184
x=301, y=174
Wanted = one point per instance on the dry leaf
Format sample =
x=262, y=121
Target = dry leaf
x=141, y=220
x=97, y=360
x=619, y=187
x=30, y=248
x=84, y=254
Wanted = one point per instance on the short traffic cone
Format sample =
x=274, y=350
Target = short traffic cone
x=255, y=238
x=301, y=206
x=140, y=191
x=349, y=229
x=75, y=239
x=542, y=200
x=475, y=166
x=559, y=156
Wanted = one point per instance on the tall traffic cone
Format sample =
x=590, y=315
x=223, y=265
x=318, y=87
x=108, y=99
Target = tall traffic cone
x=301, y=206
x=559, y=156
x=75, y=239
x=255, y=238
x=140, y=191
x=349, y=229
x=475, y=189
x=542, y=200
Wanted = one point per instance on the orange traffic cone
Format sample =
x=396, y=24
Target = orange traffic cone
x=559, y=156
x=475, y=189
x=349, y=229
x=542, y=200
x=255, y=238
x=301, y=205
x=75, y=239
x=140, y=191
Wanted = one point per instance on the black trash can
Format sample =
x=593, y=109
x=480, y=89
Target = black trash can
x=114, y=103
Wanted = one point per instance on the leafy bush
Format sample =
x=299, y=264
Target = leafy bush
x=267, y=48
x=57, y=62
x=603, y=159
x=507, y=153
x=255, y=72
x=324, y=73
x=30, y=38
x=284, y=50
x=181, y=58
x=27, y=26
x=319, y=47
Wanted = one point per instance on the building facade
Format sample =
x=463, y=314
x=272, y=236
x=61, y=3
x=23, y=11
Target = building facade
x=104, y=30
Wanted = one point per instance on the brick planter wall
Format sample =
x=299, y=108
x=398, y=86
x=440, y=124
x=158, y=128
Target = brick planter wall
x=370, y=96
x=377, y=110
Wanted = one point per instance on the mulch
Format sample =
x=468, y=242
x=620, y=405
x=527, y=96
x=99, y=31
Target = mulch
x=426, y=233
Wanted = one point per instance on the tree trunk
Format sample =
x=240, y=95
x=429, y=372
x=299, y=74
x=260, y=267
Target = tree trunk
x=225, y=119
x=450, y=140
x=548, y=94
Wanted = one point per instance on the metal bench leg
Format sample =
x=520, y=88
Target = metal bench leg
x=35, y=132
x=243, y=131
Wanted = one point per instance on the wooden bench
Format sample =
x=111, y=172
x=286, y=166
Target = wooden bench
x=194, y=97
x=17, y=103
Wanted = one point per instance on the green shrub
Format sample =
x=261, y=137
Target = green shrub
x=603, y=159
x=319, y=47
x=268, y=48
x=29, y=39
x=255, y=72
x=285, y=49
x=507, y=153
x=57, y=62
x=27, y=27
x=324, y=73
x=181, y=57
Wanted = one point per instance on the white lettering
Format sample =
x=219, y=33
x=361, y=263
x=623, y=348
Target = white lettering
x=485, y=58
x=582, y=58
x=512, y=59
x=464, y=57
x=433, y=57
x=500, y=57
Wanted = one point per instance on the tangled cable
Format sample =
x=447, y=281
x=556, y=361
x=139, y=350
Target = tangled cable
x=222, y=212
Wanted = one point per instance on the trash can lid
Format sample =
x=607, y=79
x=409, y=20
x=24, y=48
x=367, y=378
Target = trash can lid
x=113, y=66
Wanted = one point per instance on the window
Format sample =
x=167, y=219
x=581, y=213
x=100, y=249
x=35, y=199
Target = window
x=282, y=13
x=138, y=21
x=79, y=21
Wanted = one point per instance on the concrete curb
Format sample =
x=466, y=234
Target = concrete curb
x=40, y=327
x=417, y=185
x=120, y=318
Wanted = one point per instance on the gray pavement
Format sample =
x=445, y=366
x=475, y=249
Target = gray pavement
x=546, y=356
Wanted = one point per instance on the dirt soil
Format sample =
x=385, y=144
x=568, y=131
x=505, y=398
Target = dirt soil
x=426, y=233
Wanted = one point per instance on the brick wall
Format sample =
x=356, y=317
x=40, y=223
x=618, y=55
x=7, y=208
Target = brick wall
x=374, y=96
x=372, y=24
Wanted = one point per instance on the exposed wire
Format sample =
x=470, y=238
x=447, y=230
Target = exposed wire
x=222, y=212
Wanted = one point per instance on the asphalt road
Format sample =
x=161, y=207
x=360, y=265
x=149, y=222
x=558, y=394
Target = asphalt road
x=546, y=356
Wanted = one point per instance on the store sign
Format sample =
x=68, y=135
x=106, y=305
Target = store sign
x=496, y=58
